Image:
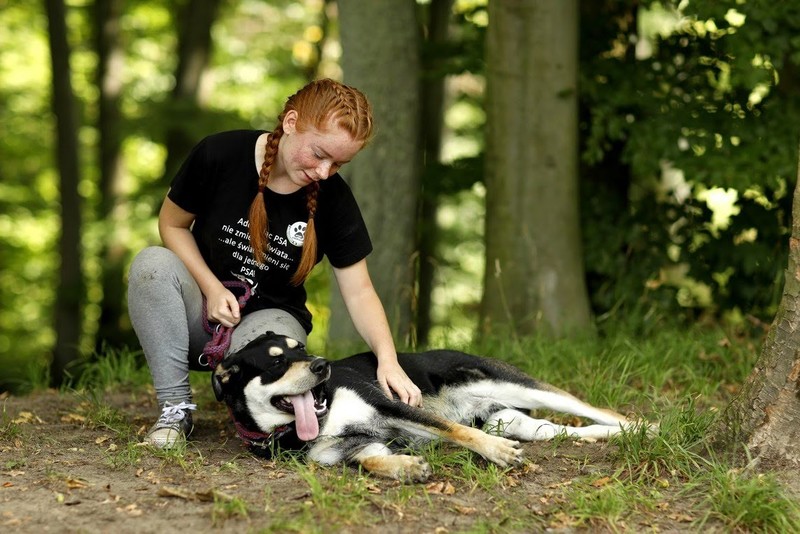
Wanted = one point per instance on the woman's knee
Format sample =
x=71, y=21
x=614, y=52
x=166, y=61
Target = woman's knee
x=153, y=264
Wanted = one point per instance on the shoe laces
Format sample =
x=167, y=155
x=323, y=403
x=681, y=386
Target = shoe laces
x=174, y=413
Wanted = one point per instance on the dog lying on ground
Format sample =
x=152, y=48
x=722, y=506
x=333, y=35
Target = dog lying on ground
x=337, y=410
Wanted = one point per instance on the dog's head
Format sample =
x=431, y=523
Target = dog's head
x=271, y=382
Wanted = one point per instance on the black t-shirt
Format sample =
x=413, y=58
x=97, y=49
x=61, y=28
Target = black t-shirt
x=218, y=182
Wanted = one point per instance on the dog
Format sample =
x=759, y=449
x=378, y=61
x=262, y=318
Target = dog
x=337, y=412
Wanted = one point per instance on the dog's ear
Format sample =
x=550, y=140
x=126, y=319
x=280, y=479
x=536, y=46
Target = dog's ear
x=221, y=378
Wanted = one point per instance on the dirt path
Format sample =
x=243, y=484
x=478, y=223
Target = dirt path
x=61, y=472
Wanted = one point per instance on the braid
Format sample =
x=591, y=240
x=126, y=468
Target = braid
x=309, y=256
x=320, y=104
x=259, y=222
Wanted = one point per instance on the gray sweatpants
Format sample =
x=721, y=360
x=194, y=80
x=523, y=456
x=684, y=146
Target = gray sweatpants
x=165, y=306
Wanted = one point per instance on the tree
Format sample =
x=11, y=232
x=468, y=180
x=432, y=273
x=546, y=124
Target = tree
x=69, y=298
x=380, y=57
x=109, y=80
x=765, y=414
x=431, y=125
x=194, y=23
x=534, y=278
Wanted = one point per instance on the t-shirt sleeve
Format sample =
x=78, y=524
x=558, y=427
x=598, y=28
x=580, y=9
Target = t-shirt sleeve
x=191, y=188
x=345, y=236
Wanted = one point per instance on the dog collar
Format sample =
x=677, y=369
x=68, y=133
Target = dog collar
x=260, y=439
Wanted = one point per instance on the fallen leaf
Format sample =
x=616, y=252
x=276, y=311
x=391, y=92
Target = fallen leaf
x=465, y=510
x=27, y=418
x=102, y=439
x=600, y=482
x=167, y=491
x=7, y=484
x=73, y=418
x=74, y=483
x=444, y=488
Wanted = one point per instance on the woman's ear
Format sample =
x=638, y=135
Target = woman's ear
x=290, y=122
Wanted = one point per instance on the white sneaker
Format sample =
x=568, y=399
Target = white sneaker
x=173, y=427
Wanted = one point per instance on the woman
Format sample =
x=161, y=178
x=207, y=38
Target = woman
x=262, y=208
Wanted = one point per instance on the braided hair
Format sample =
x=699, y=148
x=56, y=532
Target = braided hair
x=319, y=105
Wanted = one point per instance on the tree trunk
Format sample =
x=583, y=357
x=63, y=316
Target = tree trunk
x=111, y=210
x=380, y=57
x=765, y=416
x=432, y=121
x=194, y=50
x=534, y=278
x=69, y=296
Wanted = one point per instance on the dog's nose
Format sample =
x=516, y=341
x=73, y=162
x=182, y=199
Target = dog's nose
x=319, y=366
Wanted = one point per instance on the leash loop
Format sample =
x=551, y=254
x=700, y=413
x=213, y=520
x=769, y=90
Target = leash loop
x=214, y=350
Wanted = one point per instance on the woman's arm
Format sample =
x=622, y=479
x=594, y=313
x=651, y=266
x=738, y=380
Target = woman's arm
x=174, y=225
x=369, y=318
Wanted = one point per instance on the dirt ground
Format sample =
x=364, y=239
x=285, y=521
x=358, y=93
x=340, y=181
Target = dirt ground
x=58, y=473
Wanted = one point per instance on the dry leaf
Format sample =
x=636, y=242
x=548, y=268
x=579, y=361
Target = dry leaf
x=74, y=483
x=465, y=510
x=443, y=488
x=73, y=418
x=102, y=439
x=600, y=482
x=166, y=491
x=7, y=484
x=27, y=418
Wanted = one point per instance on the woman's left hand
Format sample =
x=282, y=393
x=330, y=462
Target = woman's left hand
x=392, y=378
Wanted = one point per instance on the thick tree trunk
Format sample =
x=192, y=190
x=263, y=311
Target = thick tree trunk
x=111, y=210
x=534, y=278
x=380, y=57
x=431, y=124
x=765, y=416
x=69, y=296
x=194, y=50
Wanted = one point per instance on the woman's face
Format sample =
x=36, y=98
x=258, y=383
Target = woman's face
x=312, y=155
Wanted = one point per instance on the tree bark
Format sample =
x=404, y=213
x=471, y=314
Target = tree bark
x=69, y=295
x=111, y=331
x=380, y=57
x=431, y=124
x=765, y=416
x=534, y=277
x=194, y=23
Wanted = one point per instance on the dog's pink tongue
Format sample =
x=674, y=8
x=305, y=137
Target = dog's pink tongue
x=305, y=418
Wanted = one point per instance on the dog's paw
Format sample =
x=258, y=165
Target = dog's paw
x=404, y=468
x=502, y=451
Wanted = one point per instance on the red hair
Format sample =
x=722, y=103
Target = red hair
x=321, y=104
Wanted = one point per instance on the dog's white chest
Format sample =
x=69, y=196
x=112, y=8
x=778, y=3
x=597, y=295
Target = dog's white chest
x=347, y=410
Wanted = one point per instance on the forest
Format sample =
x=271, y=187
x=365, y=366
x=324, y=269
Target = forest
x=564, y=170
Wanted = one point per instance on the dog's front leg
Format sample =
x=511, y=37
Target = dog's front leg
x=378, y=459
x=375, y=457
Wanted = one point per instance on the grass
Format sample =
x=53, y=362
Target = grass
x=678, y=378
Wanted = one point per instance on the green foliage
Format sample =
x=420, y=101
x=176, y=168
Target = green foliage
x=745, y=502
x=710, y=92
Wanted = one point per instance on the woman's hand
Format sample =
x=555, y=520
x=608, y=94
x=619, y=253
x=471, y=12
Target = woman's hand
x=222, y=307
x=392, y=378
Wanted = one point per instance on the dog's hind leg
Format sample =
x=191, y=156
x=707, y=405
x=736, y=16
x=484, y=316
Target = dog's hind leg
x=514, y=424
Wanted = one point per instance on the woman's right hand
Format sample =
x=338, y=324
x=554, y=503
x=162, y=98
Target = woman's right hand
x=222, y=307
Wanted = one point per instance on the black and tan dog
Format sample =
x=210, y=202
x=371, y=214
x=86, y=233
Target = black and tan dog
x=337, y=410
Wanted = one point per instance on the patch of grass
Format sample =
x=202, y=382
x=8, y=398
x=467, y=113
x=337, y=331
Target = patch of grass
x=226, y=508
x=675, y=449
x=8, y=428
x=337, y=496
x=744, y=503
x=122, y=457
x=604, y=504
x=112, y=369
